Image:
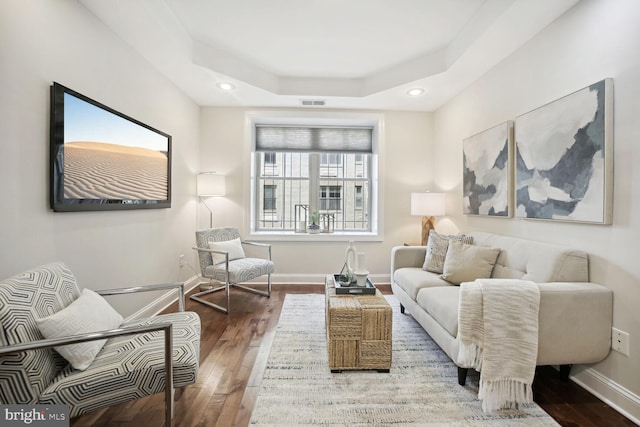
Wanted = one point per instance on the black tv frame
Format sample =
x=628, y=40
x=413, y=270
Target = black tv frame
x=58, y=201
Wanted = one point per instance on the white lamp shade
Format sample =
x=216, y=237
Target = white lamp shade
x=210, y=185
x=428, y=204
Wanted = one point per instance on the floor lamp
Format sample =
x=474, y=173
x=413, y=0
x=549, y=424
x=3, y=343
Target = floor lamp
x=210, y=184
x=428, y=205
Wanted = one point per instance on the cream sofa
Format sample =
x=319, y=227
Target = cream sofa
x=574, y=317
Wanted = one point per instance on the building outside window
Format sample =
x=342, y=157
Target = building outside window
x=330, y=198
x=330, y=159
x=269, y=158
x=269, y=203
x=327, y=170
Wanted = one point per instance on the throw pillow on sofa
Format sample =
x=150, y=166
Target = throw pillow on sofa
x=466, y=263
x=437, y=249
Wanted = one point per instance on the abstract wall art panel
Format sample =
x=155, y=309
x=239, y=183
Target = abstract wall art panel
x=564, y=158
x=487, y=172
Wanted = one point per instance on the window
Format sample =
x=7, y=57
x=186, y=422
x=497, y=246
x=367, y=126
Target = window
x=358, y=201
x=269, y=158
x=270, y=165
x=331, y=159
x=330, y=197
x=325, y=169
x=269, y=197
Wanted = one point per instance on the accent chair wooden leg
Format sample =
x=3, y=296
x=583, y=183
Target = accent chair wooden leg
x=564, y=372
x=462, y=375
x=401, y=308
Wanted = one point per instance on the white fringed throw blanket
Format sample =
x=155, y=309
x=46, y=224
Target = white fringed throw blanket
x=498, y=333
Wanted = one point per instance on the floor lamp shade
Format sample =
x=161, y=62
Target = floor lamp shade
x=210, y=185
x=428, y=205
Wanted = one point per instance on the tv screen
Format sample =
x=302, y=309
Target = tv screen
x=104, y=160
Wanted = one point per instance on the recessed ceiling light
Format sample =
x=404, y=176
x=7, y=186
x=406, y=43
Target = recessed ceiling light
x=417, y=91
x=226, y=86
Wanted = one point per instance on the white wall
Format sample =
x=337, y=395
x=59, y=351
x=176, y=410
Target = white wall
x=42, y=41
x=404, y=167
x=594, y=40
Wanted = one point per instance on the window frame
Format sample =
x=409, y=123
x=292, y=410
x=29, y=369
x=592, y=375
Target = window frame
x=316, y=118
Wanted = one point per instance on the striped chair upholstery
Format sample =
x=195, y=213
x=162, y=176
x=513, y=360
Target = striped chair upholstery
x=127, y=367
x=33, y=294
x=240, y=270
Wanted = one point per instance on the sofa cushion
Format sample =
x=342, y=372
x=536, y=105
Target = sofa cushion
x=466, y=263
x=536, y=261
x=412, y=279
x=441, y=303
x=437, y=250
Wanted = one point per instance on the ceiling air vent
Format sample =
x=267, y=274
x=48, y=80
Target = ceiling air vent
x=313, y=102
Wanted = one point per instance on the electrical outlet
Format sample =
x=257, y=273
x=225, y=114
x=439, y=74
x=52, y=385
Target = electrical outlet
x=620, y=341
x=181, y=260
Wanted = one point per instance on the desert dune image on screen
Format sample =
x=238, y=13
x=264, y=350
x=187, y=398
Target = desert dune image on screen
x=108, y=157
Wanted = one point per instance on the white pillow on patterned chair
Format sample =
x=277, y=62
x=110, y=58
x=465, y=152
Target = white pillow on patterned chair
x=234, y=247
x=89, y=313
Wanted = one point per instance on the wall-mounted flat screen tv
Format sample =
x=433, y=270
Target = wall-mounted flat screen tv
x=104, y=160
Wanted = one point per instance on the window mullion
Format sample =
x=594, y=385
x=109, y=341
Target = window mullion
x=259, y=183
x=314, y=181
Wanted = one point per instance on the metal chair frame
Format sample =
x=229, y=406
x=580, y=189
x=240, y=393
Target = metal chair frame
x=228, y=284
x=167, y=329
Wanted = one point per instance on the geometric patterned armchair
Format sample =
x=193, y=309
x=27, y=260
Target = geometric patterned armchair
x=222, y=259
x=139, y=358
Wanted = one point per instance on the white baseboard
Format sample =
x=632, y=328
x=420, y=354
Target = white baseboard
x=613, y=394
x=318, y=279
x=164, y=301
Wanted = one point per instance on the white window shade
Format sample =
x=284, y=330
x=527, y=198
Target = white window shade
x=314, y=139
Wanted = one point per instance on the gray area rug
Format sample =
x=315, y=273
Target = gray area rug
x=298, y=388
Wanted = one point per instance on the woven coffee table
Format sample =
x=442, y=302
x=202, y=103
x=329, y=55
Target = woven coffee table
x=358, y=330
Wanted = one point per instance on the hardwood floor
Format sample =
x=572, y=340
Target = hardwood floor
x=227, y=386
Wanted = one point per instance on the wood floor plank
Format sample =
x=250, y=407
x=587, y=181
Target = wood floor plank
x=209, y=413
x=246, y=406
x=230, y=408
x=261, y=360
x=234, y=353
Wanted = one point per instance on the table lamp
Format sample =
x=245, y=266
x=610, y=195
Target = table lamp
x=428, y=205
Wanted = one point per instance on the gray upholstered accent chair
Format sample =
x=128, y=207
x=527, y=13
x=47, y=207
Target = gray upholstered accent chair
x=222, y=260
x=133, y=363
